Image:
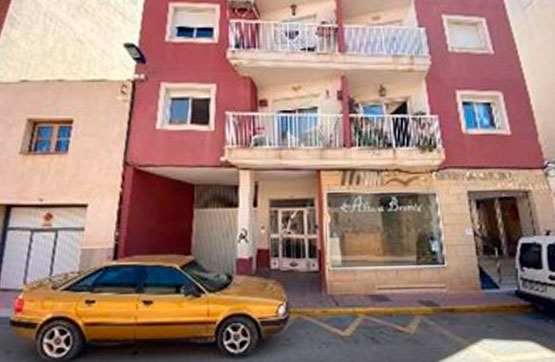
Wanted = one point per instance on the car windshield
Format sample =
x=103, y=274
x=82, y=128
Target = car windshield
x=211, y=281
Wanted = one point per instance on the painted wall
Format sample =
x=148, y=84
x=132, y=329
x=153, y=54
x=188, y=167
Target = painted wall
x=498, y=72
x=322, y=11
x=89, y=174
x=73, y=39
x=183, y=63
x=532, y=24
x=157, y=215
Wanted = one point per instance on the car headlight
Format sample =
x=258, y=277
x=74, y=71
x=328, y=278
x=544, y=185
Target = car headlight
x=282, y=310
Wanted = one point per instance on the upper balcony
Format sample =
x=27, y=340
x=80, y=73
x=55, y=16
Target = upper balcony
x=307, y=141
x=304, y=51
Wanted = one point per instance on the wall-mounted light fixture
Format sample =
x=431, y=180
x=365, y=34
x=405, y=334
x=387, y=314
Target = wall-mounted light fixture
x=293, y=9
x=135, y=53
x=383, y=91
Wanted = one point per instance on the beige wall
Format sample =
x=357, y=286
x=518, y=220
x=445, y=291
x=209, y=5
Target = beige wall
x=69, y=39
x=89, y=174
x=534, y=33
x=405, y=15
x=460, y=272
x=322, y=11
x=321, y=94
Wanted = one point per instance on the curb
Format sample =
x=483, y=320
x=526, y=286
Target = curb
x=503, y=308
x=5, y=312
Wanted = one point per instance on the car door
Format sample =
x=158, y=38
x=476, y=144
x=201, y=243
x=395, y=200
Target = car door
x=108, y=305
x=171, y=306
x=551, y=270
x=532, y=268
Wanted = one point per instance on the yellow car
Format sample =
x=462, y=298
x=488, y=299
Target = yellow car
x=146, y=298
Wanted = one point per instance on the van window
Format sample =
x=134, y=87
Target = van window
x=531, y=256
x=551, y=257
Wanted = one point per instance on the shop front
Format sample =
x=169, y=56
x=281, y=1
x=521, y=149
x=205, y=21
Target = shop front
x=393, y=231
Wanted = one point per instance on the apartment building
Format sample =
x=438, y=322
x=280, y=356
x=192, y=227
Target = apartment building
x=531, y=21
x=65, y=98
x=386, y=145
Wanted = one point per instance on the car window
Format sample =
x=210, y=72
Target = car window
x=164, y=280
x=551, y=257
x=211, y=281
x=531, y=256
x=118, y=279
x=85, y=284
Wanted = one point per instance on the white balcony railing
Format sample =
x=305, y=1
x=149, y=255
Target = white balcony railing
x=386, y=41
x=283, y=130
x=286, y=37
x=396, y=132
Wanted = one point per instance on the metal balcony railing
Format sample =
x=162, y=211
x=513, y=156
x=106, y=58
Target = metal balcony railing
x=386, y=41
x=396, y=132
x=283, y=130
x=284, y=37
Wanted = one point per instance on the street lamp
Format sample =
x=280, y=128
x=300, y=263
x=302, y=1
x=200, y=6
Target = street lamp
x=135, y=53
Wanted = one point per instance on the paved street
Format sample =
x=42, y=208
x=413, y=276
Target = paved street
x=453, y=337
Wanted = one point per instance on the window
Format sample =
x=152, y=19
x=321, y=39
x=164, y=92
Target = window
x=193, y=23
x=467, y=34
x=531, y=256
x=163, y=280
x=384, y=230
x=211, y=281
x=187, y=106
x=50, y=137
x=85, y=284
x=483, y=112
x=118, y=279
x=551, y=257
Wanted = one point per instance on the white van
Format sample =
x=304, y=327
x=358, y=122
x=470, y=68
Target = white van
x=535, y=263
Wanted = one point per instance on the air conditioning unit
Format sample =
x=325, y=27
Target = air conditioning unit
x=241, y=4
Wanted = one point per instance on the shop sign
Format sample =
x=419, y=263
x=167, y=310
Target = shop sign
x=358, y=204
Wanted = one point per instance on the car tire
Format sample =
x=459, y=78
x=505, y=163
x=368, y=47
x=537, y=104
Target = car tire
x=59, y=341
x=237, y=337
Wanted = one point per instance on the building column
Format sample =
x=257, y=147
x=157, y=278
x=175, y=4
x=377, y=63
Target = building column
x=346, y=111
x=245, y=229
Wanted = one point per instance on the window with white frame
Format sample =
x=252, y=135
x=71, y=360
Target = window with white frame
x=193, y=22
x=187, y=106
x=50, y=137
x=483, y=112
x=467, y=34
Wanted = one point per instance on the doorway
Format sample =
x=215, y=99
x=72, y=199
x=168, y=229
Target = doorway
x=294, y=235
x=499, y=221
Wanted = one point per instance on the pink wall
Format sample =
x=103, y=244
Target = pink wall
x=189, y=63
x=498, y=72
x=157, y=215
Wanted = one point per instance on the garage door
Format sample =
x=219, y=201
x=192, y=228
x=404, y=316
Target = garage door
x=40, y=242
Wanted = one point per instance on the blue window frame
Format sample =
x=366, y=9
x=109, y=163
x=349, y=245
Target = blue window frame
x=50, y=137
x=479, y=116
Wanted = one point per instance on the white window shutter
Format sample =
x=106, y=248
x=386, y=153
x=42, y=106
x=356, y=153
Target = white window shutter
x=466, y=36
x=194, y=18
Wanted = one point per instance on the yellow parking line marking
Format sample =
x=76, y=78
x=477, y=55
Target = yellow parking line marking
x=410, y=329
x=463, y=342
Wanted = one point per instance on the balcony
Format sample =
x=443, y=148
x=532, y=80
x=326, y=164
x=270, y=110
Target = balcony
x=273, y=52
x=309, y=141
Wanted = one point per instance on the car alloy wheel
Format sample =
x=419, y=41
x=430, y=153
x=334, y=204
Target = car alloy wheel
x=57, y=342
x=237, y=338
x=60, y=340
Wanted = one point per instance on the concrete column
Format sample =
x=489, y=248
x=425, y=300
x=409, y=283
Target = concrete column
x=245, y=227
x=346, y=111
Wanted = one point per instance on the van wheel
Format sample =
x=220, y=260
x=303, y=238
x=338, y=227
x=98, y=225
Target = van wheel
x=237, y=337
x=59, y=341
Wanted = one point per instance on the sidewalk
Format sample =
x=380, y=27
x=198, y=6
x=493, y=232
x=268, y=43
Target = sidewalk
x=6, y=303
x=305, y=297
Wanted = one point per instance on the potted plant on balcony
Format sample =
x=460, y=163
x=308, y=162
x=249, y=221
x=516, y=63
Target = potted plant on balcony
x=425, y=134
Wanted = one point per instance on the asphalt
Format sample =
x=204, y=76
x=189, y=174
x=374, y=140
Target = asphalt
x=507, y=337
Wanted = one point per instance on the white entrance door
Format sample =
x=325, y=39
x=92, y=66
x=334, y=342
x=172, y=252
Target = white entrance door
x=295, y=245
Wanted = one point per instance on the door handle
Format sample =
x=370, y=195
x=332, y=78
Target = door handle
x=148, y=302
x=90, y=301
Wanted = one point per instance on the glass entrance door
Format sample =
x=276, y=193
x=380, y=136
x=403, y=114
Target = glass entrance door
x=294, y=240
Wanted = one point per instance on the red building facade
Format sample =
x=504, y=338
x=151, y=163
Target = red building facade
x=327, y=137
